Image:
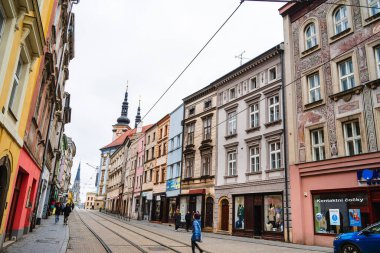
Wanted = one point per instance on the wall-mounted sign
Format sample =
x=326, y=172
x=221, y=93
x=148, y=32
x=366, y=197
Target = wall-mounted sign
x=334, y=217
x=173, y=184
x=355, y=217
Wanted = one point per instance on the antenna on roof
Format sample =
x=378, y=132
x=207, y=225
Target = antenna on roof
x=240, y=56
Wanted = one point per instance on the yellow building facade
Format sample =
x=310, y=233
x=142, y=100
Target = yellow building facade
x=24, y=25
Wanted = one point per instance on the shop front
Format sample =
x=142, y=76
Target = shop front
x=332, y=197
x=147, y=204
x=158, y=207
x=259, y=215
x=172, y=199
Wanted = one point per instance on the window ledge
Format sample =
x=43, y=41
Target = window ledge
x=230, y=136
x=310, y=50
x=206, y=141
x=187, y=179
x=205, y=177
x=274, y=170
x=372, y=18
x=232, y=176
x=373, y=84
x=347, y=94
x=253, y=173
x=341, y=34
x=252, y=129
x=313, y=104
x=273, y=123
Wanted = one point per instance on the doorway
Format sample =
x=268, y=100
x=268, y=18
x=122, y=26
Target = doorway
x=4, y=184
x=225, y=215
x=257, y=221
x=12, y=211
x=209, y=212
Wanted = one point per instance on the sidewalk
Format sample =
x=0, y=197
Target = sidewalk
x=47, y=238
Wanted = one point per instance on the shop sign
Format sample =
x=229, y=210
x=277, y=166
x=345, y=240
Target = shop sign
x=173, y=184
x=334, y=217
x=147, y=195
x=355, y=200
x=355, y=217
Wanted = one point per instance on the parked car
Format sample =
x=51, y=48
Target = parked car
x=365, y=241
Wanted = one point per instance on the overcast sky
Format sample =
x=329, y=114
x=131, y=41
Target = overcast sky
x=148, y=43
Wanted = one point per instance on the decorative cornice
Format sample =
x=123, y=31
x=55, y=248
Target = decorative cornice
x=347, y=94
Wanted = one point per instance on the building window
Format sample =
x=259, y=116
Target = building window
x=352, y=138
x=13, y=105
x=145, y=176
x=231, y=156
x=340, y=19
x=254, y=155
x=164, y=149
x=207, y=103
x=207, y=128
x=272, y=74
x=190, y=133
x=148, y=139
x=231, y=123
x=377, y=59
x=254, y=115
x=157, y=176
x=159, y=151
x=275, y=155
x=374, y=7
x=2, y=22
x=163, y=175
x=191, y=111
x=161, y=133
x=253, y=83
x=314, y=87
x=152, y=152
x=150, y=175
x=274, y=108
x=206, y=164
x=154, y=136
x=189, y=167
x=232, y=93
x=310, y=36
x=346, y=75
x=318, y=145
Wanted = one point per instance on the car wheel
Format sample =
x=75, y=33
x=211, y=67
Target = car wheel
x=350, y=248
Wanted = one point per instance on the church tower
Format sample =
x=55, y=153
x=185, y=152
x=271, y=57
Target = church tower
x=76, y=187
x=138, y=116
x=123, y=121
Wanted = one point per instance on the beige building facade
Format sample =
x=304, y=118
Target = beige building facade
x=90, y=200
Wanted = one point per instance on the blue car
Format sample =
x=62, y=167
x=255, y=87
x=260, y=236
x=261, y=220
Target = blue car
x=365, y=241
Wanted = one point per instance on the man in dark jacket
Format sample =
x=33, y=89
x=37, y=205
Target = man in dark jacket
x=188, y=220
x=57, y=211
x=177, y=218
x=66, y=213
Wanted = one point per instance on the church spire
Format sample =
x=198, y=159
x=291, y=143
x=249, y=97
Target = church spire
x=123, y=119
x=138, y=116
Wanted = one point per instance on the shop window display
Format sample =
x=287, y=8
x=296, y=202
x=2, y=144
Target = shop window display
x=172, y=208
x=273, y=213
x=239, y=212
x=336, y=213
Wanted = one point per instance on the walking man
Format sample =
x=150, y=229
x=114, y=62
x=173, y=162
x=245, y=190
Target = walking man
x=66, y=213
x=197, y=233
x=177, y=218
x=188, y=220
x=57, y=211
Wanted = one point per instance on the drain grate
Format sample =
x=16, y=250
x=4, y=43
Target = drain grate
x=47, y=241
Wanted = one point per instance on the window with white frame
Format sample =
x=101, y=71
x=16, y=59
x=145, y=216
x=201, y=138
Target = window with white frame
x=170, y=172
x=179, y=140
x=189, y=167
x=231, y=158
x=352, y=138
x=207, y=128
x=340, y=19
x=252, y=83
x=231, y=123
x=310, y=36
x=374, y=7
x=274, y=108
x=190, y=133
x=314, y=87
x=206, y=164
x=232, y=93
x=377, y=59
x=317, y=144
x=13, y=104
x=272, y=74
x=254, y=115
x=254, y=159
x=275, y=155
x=346, y=74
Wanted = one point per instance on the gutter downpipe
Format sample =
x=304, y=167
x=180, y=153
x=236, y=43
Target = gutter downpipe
x=281, y=49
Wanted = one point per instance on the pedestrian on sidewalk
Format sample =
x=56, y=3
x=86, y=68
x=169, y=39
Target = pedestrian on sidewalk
x=66, y=213
x=177, y=218
x=188, y=220
x=197, y=233
x=57, y=211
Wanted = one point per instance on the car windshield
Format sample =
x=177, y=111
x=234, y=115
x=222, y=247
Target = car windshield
x=375, y=229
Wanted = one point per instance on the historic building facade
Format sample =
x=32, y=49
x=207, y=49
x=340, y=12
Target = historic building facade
x=159, y=208
x=250, y=181
x=174, y=163
x=90, y=200
x=199, y=154
x=332, y=56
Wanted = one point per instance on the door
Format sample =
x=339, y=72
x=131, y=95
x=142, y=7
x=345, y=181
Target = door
x=257, y=221
x=209, y=212
x=12, y=212
x=225, y=214
x=193, y=204
x=4, y=184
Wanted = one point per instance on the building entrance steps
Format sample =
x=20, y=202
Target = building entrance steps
x=47, y=237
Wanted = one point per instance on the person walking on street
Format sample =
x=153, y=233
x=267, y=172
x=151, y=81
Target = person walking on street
x=177, y=218
x=197, y=233
x=57, y=212
x=188, y=220
x=66, y=213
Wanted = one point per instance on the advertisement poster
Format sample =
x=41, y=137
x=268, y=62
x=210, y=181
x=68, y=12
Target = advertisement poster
x=239, y=212
x=355, y=217
x=334, y=217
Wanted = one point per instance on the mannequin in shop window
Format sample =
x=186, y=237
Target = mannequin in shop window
x=271, y=217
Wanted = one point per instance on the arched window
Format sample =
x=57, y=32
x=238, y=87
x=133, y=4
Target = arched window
x=374, y=7
x=340, y=19
x=310, y=36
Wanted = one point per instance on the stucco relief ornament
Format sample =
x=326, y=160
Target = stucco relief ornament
x=334, y=150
